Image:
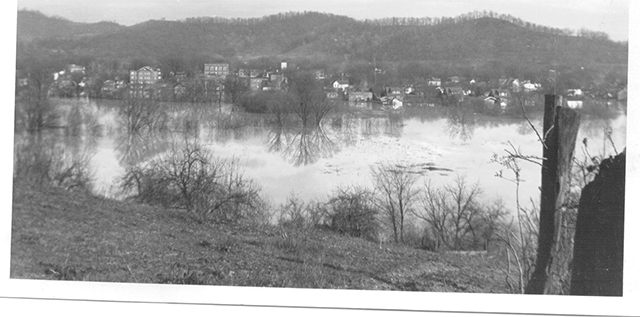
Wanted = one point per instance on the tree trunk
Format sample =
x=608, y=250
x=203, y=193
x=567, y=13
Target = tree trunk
x=599, y=239
x=560, y=132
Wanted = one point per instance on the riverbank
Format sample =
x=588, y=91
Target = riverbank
x=63, y=235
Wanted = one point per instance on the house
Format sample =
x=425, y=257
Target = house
x=108, y=87
x=179, y=91
x=422, y=92
x=257, y=83
x=454, y=79
x=434, y=82
x=490, y=102
x=73, y=68
x=575, y=93
x=283, y=65
x=332, y=93
x=142, y=91
x=394, y=91
x=530, y=87
x=216, y=70
x=180, y=76
x=360, y=96
x=243, y=72
x=254, y=73
x=516, y=85
x=409, y=90
x=341, y=84
x=574, y=104
x=145, y=76
x=393, y=102
x=454, y=91
x=65, y=87
x=278, y=81
x=504, y=93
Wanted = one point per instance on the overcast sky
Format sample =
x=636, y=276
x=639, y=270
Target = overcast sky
x=609, y=16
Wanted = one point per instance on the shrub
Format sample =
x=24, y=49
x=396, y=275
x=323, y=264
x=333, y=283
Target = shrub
x=190, y=178
x=352, y=212
x=40, y=164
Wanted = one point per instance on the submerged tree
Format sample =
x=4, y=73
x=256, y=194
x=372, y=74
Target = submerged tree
x=307, y=99
x=235, y=87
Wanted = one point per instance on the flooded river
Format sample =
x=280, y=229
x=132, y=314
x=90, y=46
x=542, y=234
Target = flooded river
x=438, y=143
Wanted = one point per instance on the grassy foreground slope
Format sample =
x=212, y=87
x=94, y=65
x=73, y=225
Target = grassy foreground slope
x=74, y=236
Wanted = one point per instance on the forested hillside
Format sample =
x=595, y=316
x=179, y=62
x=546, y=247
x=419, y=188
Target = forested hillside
x=496, y=45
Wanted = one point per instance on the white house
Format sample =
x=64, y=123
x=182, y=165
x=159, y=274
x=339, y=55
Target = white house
x=574, y=104
x=341, y=84
x=529, y=87
x=574, y=92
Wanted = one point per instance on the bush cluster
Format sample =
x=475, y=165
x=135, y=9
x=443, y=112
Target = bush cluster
x=190, y=178
x=37, y=162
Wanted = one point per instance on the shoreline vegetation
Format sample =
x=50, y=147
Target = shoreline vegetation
x=62, y=235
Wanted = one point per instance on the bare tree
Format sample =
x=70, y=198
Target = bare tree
x=454, y=215
x=395, y=193
x=235, y=88
x=34, y=112
x=307, y=99
x=139, y=114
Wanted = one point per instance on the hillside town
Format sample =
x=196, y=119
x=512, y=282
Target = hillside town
x=209, y=85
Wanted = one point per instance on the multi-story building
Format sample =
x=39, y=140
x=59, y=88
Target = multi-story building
x=216, y=70
x=143, y=82
x=145, y=76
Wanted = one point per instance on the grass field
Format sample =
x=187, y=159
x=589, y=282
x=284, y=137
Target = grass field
x=62, y=235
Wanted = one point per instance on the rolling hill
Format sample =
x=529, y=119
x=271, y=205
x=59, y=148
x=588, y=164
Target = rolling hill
x=461, y=41
x=33, y=25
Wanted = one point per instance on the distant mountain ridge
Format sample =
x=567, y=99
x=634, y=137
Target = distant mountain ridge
x=328, y=36
x=33, y=25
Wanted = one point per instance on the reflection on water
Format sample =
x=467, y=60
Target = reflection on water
x=301, y=145
x=286, y=156
x=308, y=145
x=460, y=123
x=136, y=147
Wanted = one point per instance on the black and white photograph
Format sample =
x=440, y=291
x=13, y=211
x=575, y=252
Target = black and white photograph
x=320, y=157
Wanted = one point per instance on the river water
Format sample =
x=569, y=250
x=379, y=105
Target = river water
x=437, y=143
